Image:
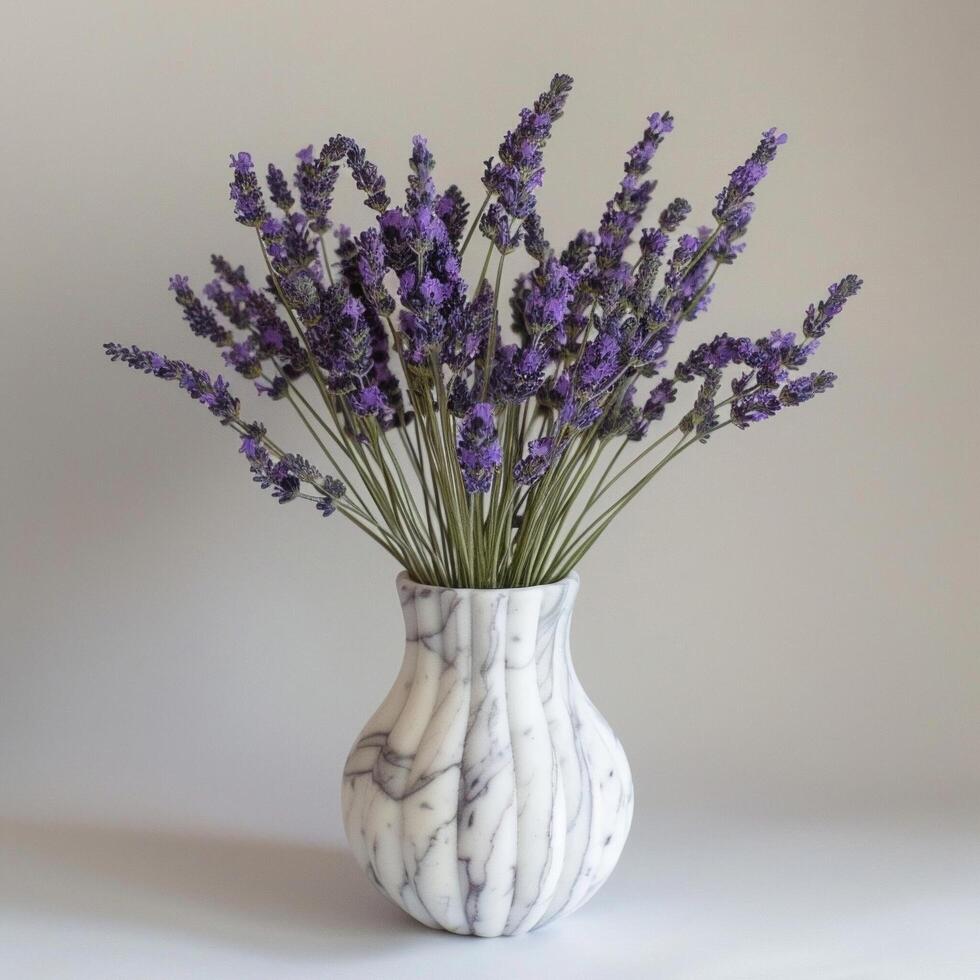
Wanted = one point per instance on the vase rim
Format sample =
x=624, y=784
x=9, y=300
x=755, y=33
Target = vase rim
x=403, y=578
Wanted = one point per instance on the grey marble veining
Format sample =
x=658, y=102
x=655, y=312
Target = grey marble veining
x=487, y=796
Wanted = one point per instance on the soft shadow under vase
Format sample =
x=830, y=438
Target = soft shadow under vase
x=487, y=796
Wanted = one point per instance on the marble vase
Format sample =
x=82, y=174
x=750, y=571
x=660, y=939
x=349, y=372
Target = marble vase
x=487, y=796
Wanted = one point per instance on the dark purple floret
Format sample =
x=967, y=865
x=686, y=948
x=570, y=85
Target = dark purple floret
x=621, y=416
x=315, y=179
x=421, y=192
x=365, y=173
x=252, y=436
x=287, y=475
x=278, y=186
x=243, y=358
x=703, y=417
x=715, y=356
x=772, y=358
x=551, y=288
x=478, y=448
x=674, y=215
x=579, y=250
x=818, y=317
x=599, y=365
x=801, y=390
x=469, y=329
x=754, y=407
x=654, y=408
x=497, y=226
x=541, y=454
x=370, y=401
x=199, y=318
x=342, y=343
x=371, y=266
x=451, y=208
x=536, y=245
x=246, y=192
x=518, y=372
x=275, y=390
x=653, y=244
x=687, y=247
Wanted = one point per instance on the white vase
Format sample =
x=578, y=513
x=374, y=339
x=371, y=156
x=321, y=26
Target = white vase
x=487, y=796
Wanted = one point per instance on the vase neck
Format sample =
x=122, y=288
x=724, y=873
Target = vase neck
x=482, y=625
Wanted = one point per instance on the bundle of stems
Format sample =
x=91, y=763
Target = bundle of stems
x=479, y=456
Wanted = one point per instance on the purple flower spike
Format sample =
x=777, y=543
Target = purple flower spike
x=818, y=318
x=547, y=303
x=674, y=215
x=801, y=390
x=745, y=178
x=478, y=448
x=199, y=318
x=625, y=211
x=246, y=192
x=518, y=173
x=315, y=179
x=541, y=454
x=278, y=186
x=214, y=395
x=755, y=407
x=365, y=174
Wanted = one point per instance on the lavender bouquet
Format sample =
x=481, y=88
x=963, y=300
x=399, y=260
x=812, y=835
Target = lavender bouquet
x=477, y=456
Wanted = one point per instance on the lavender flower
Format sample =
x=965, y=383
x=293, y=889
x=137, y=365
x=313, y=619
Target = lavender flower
x=578, y=252
x=661, y=395
x=286, y=476
x=801, y=390
x=316, y=177
x=199, y=318
x=243, y=358
x=453, y=211
x=818, y=318
x=754, y=407
x=518, y=372
x=367, y=179
x=246, y=192
x=746, y=177
x=478, y=448
x=625, y=211
x=674, y=215
x=279, y=190
x=703, y=417
x=519, y=172
x=214, y=395
x=541, y=454
x=551, y=288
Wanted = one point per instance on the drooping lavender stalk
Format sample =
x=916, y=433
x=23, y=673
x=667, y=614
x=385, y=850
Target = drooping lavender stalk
x=214, y=395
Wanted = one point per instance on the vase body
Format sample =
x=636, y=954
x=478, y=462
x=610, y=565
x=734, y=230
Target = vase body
x=487, y=796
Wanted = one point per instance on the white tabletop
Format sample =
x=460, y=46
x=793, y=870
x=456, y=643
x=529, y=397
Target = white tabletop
x=693, y=899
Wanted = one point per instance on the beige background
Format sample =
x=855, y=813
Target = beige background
x=785, y=624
